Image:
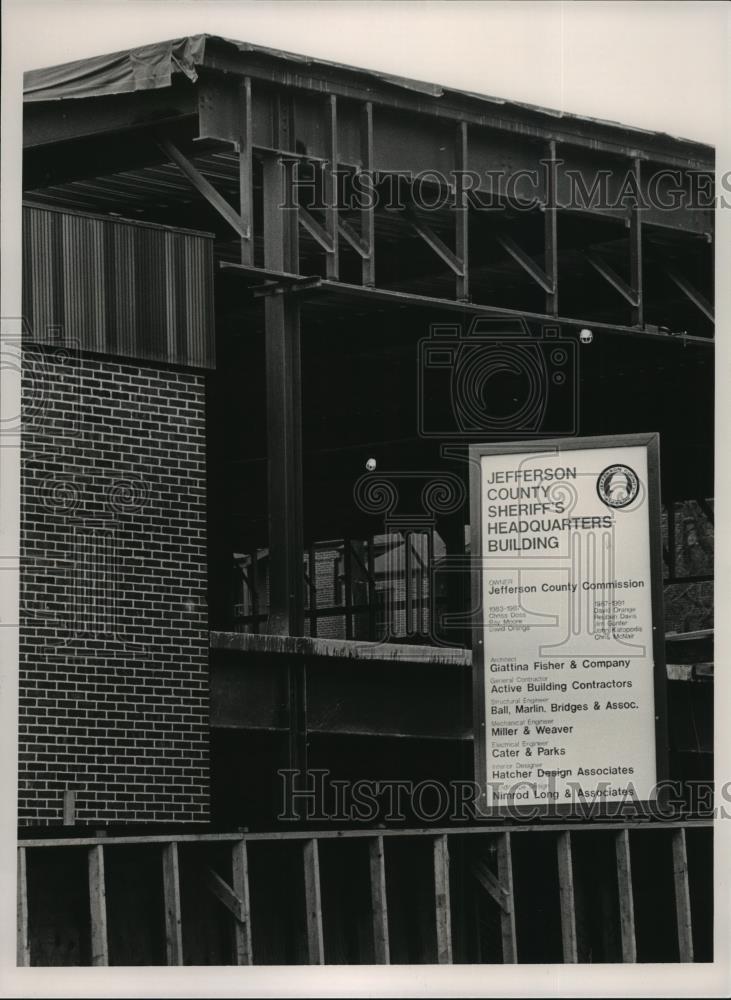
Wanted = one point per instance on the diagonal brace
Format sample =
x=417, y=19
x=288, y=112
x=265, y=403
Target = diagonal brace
x=628, y=293
x=527, y=263
x=439, y=247
x=316, y=231
x=353, y=238
x=697, y=298
x=223, y=892
x=204, y=187
x=491, y=885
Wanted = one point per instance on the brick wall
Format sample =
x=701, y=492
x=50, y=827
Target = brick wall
x=113, y=637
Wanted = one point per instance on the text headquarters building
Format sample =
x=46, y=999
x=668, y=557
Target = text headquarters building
x=279, y=317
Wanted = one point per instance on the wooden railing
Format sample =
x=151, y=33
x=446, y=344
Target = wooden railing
x=474, y=862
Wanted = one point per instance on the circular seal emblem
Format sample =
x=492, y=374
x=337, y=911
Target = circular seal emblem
x=618, y=486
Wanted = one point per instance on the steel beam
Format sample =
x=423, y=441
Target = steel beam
x=439, y=247
x=204, y=187
x=501, y=116
x=697, y=298
x=474, y=308
x=528, y=264
x=629, y=294
x=318, y=233
x=353, y=239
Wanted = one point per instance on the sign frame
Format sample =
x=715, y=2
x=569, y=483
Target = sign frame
x=651, y=442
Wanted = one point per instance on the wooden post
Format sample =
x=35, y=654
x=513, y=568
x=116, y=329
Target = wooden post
x=23, y=946
x=379, y=903
x=244, y=952
x=442, y=900
x=507, y=916
x=98, y=906
x=171, y=893
x=566, y=895
x=682, y=896
x=313, y=904
x=626, y=900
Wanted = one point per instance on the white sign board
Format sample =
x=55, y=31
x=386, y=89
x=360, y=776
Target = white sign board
x=567, y=653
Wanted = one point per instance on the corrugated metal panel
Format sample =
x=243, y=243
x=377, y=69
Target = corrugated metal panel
x=114, y=287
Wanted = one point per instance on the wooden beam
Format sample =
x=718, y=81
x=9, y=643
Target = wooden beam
x=697, y=298
x=439, y=247
x=595, y=826
x=507, y=917
x=171, y=895
x=527, y=263
x=243, y=945
x=367, y=214
x=626, y=899
x=313, y=904
x=23, y=943
x=98, y=907
x=461, y=224
x=204, y=187
x=682, y=896
x=550, y=231
x=442, y=904
x=379, y=902
x=615, y=280
x=566, y=897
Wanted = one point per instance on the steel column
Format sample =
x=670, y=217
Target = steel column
x=367, y=215
x=462, y=232
x=635, y=250
x=284, y=417
x=551, y=230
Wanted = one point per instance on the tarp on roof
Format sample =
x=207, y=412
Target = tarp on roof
x=151, y=67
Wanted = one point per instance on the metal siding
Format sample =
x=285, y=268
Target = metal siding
x=118, y=288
